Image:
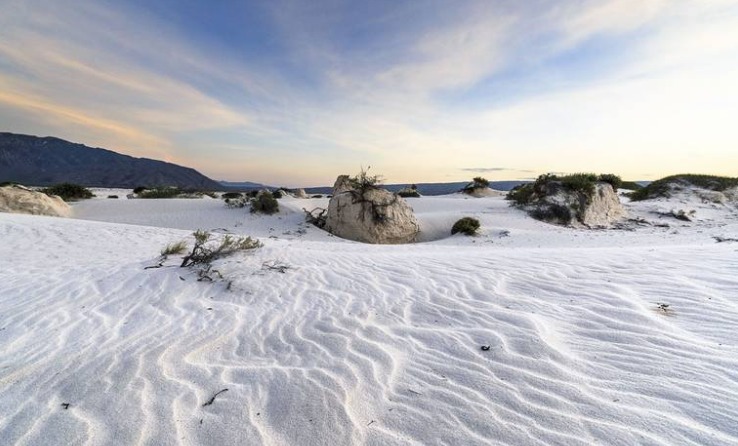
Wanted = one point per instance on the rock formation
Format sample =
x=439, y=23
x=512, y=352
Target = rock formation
x=369, y=214
x=552, y=202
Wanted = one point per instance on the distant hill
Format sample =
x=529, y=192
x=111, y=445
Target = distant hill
x=44, y=161
x=428, y=188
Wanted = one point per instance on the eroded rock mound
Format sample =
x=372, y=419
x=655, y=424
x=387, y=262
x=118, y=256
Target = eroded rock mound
x=17, y=199
x=573, y=200
x=369, y=214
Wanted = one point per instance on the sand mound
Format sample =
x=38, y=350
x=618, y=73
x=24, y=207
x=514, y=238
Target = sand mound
x=17, y=199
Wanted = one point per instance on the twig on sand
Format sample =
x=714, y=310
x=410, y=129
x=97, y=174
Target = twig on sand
x=275, y=266
x=724, y=239
x=212, y=399
x=370, y=423
x=412, y=391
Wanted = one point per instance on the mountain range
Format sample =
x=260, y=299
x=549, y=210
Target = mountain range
x=43, y=161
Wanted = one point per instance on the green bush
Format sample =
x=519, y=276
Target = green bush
x=664, y=186
x=410, y=193
x=579, y=182
x=278, y=194
x=522, y=194
x=615, y=181
x=69, y=191
x=466, y=225
x=160, y=192
x=264, y=203
x=139, y=189
x=228, y=195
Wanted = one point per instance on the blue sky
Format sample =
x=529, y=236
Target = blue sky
x=297, y=92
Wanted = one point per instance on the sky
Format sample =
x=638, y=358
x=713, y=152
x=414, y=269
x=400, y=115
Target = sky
x=297, y=92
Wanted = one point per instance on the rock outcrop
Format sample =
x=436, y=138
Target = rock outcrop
x=552, y=202
x=17, y=199
x=369, y=214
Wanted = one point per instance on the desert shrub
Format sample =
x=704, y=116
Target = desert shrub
x=480, y=182
x=554, y=213
x=137, y=190
x=69, y=191
x=409, y=193
x=522, y=194
x=264, y=203
x=174, y=248
x=8, y=183
x=233, y=203
x=317, y=196
x=278, y=194
x=228, y=195
x=115, y=197
x=476, y=184
x=466, y=225
x=579, y=182
x=664, y=186
x=160, y=192
x=363, y=181
x=252, y=193
x=204, y=253
x=615, y=181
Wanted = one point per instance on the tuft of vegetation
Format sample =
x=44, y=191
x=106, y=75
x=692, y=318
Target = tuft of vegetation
x=69, y=191
x=317, y=196
x=278, y=194
x=466, y=225
x=160, y=192
x=364, y=182
x=114, y=197
x=174, y=248
x=204, y=253
x=476, y=184
x=229, y=195
x=614, y=180
x=137, y=190
x=8, y=183
x=264, y=203
x=665, y=186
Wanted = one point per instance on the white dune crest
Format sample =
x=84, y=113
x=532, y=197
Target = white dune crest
x=363, y=344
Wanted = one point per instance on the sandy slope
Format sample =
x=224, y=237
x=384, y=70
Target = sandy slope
x=359, y=344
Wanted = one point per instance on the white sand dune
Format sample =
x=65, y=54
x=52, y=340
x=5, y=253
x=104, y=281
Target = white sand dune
x=358, y=344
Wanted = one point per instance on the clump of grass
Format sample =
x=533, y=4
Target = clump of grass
x=264, y=203
x=277, y=194
x=665, y=186
x=204, y=253
x=174, y=248
x=466, y=226
x=69, y=191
